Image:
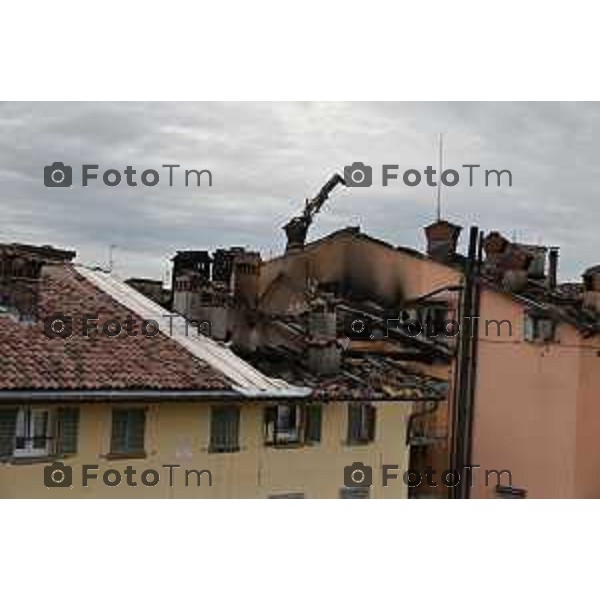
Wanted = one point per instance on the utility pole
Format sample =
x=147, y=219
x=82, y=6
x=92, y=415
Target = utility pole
x=464, y=380
x=439, y=185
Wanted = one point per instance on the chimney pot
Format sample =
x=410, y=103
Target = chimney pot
x=442, y=239
x=324, y=353
x=246, y=278
x=295, y=232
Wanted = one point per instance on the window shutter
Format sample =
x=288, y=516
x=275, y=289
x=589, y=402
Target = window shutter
x=371, y=419
x=118, y=440
x=136, y=427
x=224, y=428
x=354, y=419
x=128, y=427
x=233, y=428
x=546, y=327
x=8, y=424
x=313, y=422
x=217, y=427
x=67, y=430
x=270, y=424
x=529, y=328
x=292, y=412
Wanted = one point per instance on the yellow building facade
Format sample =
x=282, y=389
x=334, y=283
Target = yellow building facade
x=181, y=433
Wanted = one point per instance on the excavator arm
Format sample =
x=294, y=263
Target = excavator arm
x=297, y=227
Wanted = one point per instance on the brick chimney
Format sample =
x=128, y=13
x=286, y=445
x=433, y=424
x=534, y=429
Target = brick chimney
x=295, y=232
x=507, y=262
x=20, y=274
x=324, y=353
x=494, y=244
x=591, y=288
x=191, y=270
x=553, y=268
x=442, y=239
x=223, y=259
x=246, y=276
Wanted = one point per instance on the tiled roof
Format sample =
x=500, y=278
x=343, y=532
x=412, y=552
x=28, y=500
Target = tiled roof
x=244, y=377
x=31, y=361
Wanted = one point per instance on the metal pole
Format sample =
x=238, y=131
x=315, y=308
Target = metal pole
x=439, y=186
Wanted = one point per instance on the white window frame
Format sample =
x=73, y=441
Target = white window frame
x=288, y=435
x=275, y=434
x=25, y=428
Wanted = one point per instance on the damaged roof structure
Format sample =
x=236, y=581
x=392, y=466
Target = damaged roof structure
x=294, y=326
x=41, y=287
x=518, y=270
x=42, y=283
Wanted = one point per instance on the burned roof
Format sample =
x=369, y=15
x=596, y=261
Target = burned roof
x=564, y=303
x=367, y=377
x=518, y=270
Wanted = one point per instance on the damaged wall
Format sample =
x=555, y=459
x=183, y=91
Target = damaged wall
x=358, y=266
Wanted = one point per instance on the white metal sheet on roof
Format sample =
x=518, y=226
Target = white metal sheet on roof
x=244, y=377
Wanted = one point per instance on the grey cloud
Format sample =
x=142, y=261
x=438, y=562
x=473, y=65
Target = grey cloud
x=266, y=158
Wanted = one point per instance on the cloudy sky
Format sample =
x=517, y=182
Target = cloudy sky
x=266, y=158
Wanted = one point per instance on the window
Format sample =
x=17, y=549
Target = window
x=37, y=432
x=354, y=493
x=361, y=422
x=293, y=423
x=67, y=430
x=224, y=429
x=287, y=496
x=429, y=320
x=128, y=425
x=33, y=432
x=506, y=492
x=539, y=328
x=312, y=424
x=8, y=421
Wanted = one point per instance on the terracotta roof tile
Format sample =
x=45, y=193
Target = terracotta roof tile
x=31, y=361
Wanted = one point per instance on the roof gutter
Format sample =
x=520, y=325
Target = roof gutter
x=150, y=395
x=116, y=395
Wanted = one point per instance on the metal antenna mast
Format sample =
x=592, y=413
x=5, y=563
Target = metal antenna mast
x=111, y=257
x=439, y=185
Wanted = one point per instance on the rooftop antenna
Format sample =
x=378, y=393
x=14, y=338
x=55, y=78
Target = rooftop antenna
x=439, y=186
x=111, y=259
